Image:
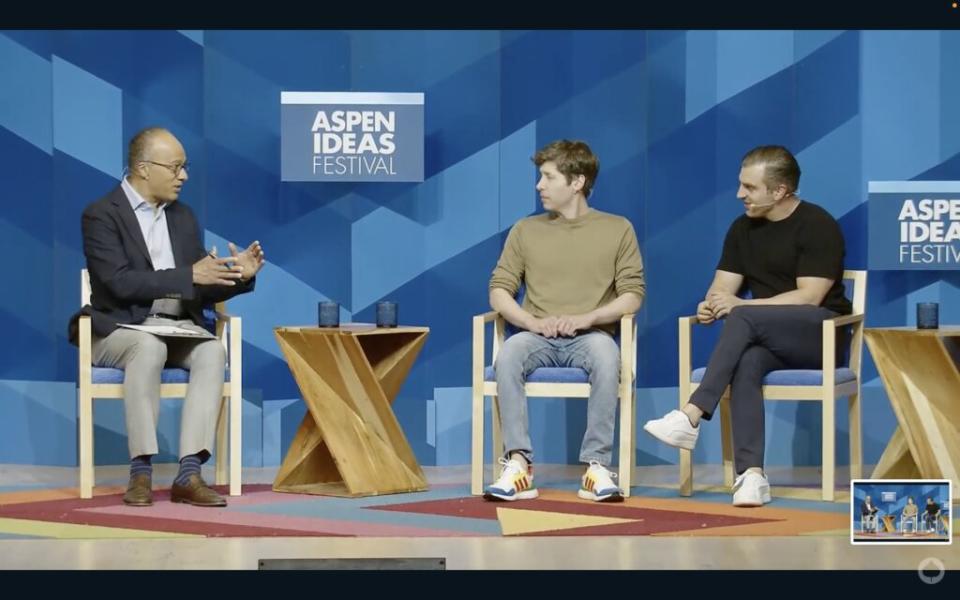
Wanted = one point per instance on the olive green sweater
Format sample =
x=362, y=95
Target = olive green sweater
x=570, y=266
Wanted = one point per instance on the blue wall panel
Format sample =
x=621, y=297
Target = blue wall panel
x=670, y=114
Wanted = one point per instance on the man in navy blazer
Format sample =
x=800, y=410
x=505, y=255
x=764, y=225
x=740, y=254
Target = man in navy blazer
x=148, y=266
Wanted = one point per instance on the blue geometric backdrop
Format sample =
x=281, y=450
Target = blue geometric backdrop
x=670, y=114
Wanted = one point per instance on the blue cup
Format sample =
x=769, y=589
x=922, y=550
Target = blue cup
x=928, y=315
x=329, y=314
x=386, y=314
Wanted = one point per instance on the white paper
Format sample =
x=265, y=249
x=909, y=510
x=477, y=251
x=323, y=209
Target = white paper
x=169, y=330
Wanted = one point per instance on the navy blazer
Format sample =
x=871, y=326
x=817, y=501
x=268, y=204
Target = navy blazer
x=123, y=284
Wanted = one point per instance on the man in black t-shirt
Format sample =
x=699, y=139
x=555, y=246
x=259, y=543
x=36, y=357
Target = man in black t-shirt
x=930, y=515
x=788, y=253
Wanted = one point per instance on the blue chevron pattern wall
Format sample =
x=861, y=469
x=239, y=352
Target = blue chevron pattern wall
x=670, y=113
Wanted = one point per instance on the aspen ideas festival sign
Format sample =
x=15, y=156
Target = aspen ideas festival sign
x=351, y=136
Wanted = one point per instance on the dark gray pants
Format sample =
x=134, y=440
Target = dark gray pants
x=756, y=340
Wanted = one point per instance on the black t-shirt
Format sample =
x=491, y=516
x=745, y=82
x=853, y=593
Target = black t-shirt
x=772, y=254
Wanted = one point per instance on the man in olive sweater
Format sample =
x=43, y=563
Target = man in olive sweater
x=582, y=272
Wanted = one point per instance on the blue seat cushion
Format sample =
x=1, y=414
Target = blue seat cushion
x=108, y=375
x=791, y=376
x=547, y=375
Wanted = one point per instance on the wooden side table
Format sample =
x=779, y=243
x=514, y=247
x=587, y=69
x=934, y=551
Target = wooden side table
x=889, y=523
x=920, y=373
x=349, y=442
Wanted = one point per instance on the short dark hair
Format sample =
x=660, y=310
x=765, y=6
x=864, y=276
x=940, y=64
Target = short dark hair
x=137, y=151
x=572, y=157
x=779, y=166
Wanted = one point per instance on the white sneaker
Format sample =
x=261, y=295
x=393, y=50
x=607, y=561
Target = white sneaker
x=514, y=483
x=597, y=485
x=674, y=429
x=751, y=489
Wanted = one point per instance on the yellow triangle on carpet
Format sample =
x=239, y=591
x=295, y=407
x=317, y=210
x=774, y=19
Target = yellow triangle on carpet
x=515, y=521
x=74, y=531
x=24, y=496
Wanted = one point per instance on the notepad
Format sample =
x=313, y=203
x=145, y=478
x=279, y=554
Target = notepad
x=170, y=331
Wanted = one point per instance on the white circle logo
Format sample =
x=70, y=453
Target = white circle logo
x=931, y=564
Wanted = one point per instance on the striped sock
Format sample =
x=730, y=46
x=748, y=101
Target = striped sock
x=140, y=465
x=189, y=465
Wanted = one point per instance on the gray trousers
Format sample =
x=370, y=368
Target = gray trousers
x=595, y=352
x=143, y=356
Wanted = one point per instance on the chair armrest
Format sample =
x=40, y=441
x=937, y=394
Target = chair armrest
x=685, y=347
x=479, y=341
x=830, y=326
x=691, y=320
x=232, y=340
x=85, y=346
x=628, y=347
x=628, y=332
x=486, y=317
x=85, y=331
x=846, y=320
x=228, y=325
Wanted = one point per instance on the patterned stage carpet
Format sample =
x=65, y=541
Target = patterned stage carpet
x=445, y=510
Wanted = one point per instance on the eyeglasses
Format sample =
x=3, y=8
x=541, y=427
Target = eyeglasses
x=174, y=168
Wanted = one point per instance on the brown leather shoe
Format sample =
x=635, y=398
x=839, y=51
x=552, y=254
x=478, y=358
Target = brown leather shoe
x=196, y=492
x=138, y=491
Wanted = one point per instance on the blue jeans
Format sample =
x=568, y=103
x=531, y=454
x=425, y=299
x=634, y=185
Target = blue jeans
x=595, y=352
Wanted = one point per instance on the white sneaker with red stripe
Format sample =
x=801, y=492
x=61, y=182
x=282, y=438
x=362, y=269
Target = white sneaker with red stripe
x=514, y=483
x=597, y=485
